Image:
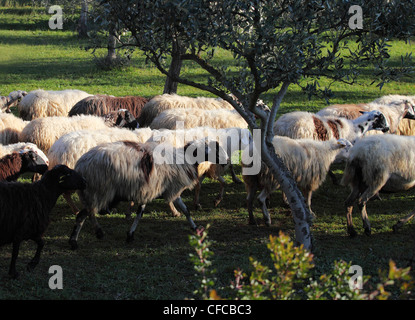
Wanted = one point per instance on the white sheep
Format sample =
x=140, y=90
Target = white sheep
x=192, y=118
x=129, y=171
x=396, y=109
x=377, y=163
x=10, y=128
x=71, y=146
x=231, y=139
x=308, y=161
x=41, y=103
x=307, y=125
x=45, y=131
x=160, y=103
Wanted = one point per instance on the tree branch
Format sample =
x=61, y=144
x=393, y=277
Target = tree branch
x=275, y=106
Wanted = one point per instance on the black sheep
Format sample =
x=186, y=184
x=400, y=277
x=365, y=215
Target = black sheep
x=101, y=105
x=25, y=209
x=13, y=165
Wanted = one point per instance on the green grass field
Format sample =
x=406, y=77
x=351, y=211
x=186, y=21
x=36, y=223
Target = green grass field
x=156, y=265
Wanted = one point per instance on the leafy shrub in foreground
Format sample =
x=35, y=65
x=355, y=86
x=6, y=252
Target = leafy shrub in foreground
x=291, y=276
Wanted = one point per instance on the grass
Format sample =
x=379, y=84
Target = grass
x=156, y=265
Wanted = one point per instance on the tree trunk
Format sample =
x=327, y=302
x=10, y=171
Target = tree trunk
x=112, y=44
x=300, y=212
x=170, y=86
x=83, y=25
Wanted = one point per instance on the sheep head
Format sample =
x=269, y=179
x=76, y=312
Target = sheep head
x=372, y=120
x=32, y=162
x=64, y=178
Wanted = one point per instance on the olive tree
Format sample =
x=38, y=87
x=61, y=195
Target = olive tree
x=274, y=45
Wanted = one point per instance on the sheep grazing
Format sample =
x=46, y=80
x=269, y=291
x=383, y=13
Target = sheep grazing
x=13, y=99
x=101, y=105
x=15, y=164
x=395, y=109
x=306, y=125
x=10, y=128
x=166, y=101
x=376, y=164
x=192, y=118
x=307, y=160
x=41, y=103
x=45, y=131
x=130, y=171
x=25, y=209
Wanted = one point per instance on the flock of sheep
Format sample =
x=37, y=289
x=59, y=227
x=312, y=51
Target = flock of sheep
x=111, y=149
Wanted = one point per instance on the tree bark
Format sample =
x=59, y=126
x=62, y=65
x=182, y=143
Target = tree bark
x=300, y=212
x=83, y=20
x=112, y=44
x=170, y=86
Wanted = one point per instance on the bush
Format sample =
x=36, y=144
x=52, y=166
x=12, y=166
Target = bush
x=291, y=278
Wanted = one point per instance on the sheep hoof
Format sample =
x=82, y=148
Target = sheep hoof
x=14, y=275
x=198, y=206
x=130, y=237
x=368, y=232
x=352, y=232
x=73, y=244
x=252, y=222
x=99, y=233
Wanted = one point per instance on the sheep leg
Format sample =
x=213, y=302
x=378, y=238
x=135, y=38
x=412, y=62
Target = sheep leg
x=68, y=198
x=354, y=194
x=79, y=221
x=219, y=197
x=309, y=195
x=182, y=207
x=174, y=211
x=15, y=252
x=252, y=189
x=350, y=229
x=130, y=234
x=402, y=221
x=365, y=218
x=233, y=174
x=262, y=199
x=35, y=261
x=129, y=210
x=198, y=186
x=98, y=230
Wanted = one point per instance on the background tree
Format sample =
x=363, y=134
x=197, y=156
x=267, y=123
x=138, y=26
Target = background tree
x=275, y=44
